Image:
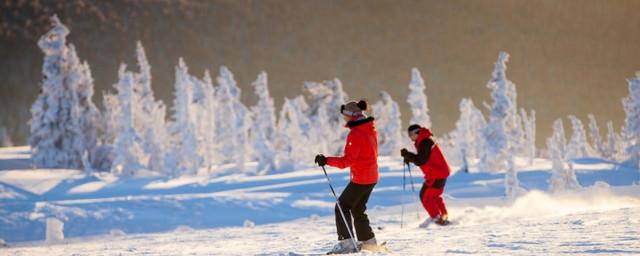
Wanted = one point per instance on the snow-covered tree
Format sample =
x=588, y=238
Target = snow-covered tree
x=389, y=125
x=529, y=127
x=614, y=143
x=417, y=100
x=578, y=145
x=503, y=133
x=5, y=140
x=206, y=122
x=596, y=139
x=467, y=134
x=149, y=114
x=503, y=130
x=264, y=126
x=293, y=143
x=325, y=100
x=183, y=157
x=562, y=178
x=631, y=130
x=128, y=151
x=64, y=119
x=233, y=121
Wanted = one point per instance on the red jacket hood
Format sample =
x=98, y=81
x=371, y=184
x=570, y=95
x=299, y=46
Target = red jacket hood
x=423, y=134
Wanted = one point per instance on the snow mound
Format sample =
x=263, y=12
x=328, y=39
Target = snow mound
x=117, y=232
x=249, y=224
x=308, y=203
x=55, y=229
x=184, y=229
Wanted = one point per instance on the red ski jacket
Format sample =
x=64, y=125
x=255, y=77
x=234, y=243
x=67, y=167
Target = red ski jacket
x=436, y=166
x=360, y=152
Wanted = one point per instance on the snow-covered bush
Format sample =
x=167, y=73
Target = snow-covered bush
x=631, y=130
x=264, y=126
x=64, y=119
x=417, y=100
x=467, y=135
x=578, y=145
x=562, y=178
x=389, y=125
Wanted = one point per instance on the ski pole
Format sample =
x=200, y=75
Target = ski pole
x=344, y=219
x=413, y=190
x=404, y=191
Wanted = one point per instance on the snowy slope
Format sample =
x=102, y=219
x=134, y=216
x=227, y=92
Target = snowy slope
x=293, y=212
x=596, y=221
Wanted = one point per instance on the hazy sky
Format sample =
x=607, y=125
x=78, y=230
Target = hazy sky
x=567, y=57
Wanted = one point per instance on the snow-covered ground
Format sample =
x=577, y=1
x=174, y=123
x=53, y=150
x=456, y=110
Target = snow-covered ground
x=293, y=212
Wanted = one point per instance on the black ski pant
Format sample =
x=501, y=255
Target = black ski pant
x=353, y=201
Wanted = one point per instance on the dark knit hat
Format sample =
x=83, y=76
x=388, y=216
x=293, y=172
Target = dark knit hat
x=414, y=127
x=353, y=108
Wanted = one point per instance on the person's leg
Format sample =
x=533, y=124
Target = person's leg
x=360, y=218
x=428, y=201
x=435, y=202
x=347, y=199
x=439, y=201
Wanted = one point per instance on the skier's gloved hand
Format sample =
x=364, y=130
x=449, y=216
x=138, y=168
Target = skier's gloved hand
x=321, y=160
x=405, y=155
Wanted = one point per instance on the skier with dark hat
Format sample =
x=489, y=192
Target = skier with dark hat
x=360, y=154
x=435, y=168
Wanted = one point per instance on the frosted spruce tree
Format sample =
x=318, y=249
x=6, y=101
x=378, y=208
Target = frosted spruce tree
x=64, y=119
x=183, y=158
x=233, y=121
x=614, y=143
x=417, y=100
x=503, y=132
x=529, y=127
x=207, y=123
x=149, y=114
x=562, y=178
x=578, y=145
x=264, y=126
x=325, y=99
x=292, y=139
x=128, y=151
x=631, y=130
x=467, y=134
x=389, y=125
x=596, y=140
x=200, y=114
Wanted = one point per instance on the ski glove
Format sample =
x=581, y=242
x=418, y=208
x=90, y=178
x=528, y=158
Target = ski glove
x=406, y=155
x=321, y=160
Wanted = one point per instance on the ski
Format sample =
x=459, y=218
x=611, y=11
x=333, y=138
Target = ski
x=382, y=247
x=363, y=248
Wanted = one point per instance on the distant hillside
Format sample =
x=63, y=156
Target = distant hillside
x=566, y=56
